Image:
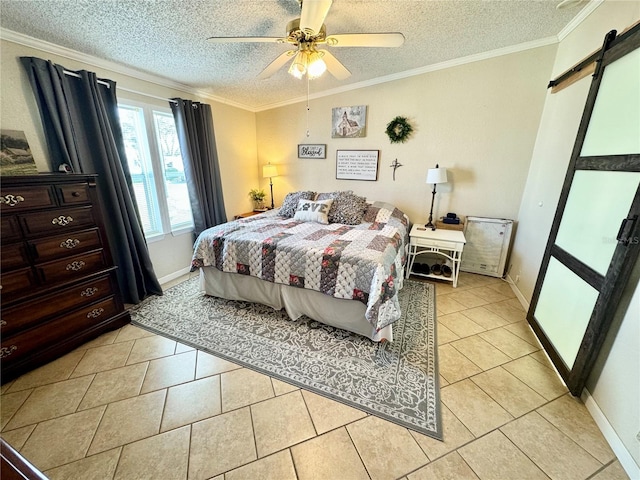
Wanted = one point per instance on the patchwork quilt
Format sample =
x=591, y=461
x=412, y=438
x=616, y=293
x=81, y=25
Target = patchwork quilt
x=359, y=262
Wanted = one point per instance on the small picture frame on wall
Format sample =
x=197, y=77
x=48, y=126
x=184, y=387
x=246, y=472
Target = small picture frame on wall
x=349, y=122
x=357, y=165
x=318, y=150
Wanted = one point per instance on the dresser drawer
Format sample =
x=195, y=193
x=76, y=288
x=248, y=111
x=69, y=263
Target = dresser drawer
x=59, y=220
x=59, y=284
x=13, y=255
x=17, y=283
x=64, y=245
x=10, y=229
x=71, y=267
x=20, y=317
x=22, y=198
x=73, y=194
x=17, y=347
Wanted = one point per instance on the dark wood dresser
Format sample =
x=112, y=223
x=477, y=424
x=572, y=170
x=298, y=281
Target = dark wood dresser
x=59, y=287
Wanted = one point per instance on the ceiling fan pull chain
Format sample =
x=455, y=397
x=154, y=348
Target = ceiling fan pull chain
x=307, y=106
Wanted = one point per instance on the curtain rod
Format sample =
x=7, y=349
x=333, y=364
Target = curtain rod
x=124, y=89
x=74, y=74
x=102, y=82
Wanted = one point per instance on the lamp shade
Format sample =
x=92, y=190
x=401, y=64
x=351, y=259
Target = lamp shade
x=437, y=175
x=316, y=65
x=269, y=171
x=299, y=65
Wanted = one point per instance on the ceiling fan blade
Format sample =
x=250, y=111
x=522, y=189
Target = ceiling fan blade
x=334, y=66
x=393, y=39
x=313, y=15
x=274, y=66
x=246, y=39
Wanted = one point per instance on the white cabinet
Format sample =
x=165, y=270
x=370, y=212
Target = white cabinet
x=444, y=243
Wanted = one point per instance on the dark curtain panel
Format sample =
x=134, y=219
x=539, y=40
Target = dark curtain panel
x=81, y=125
x=194, y=123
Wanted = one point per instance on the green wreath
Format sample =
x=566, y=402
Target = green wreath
x=398, y=130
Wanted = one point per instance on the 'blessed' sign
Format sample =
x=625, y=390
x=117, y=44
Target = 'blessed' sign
x=312, y=151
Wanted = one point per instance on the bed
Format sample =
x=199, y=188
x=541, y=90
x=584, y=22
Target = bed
x=344, y=275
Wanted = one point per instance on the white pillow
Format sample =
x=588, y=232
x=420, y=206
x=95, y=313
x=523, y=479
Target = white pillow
x=313, y=211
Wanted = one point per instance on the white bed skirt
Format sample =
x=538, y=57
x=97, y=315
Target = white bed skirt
x=345, y=314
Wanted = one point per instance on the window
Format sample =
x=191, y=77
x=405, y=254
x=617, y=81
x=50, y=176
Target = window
x=157, y=170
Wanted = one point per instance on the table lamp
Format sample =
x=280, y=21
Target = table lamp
x=435, y=176
x=269, y=171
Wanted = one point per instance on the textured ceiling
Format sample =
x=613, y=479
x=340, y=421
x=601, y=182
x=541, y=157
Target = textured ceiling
x=167, y=38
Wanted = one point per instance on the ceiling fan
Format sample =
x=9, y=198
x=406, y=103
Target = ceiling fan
x=306, y=34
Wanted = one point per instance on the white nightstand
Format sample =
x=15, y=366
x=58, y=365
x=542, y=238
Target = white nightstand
x=446, y=243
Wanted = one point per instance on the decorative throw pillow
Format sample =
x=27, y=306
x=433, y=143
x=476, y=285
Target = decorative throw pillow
x=313, y=211
x=324, y=196
x=348, y=209
x=334, y=196
x=290, y=203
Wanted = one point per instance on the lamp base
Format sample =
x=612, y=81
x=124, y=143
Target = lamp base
x=271, y=186
x=430, y=224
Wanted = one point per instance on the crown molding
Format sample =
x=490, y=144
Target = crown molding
x=418, y=71
x=579, y=18
x=27, y=41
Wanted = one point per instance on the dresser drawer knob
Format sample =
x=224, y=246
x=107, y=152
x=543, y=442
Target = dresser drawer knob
x=75, y=194
x=11, y=200
x=95, y=313
x=70, y=243
x=62, y=220
x=6, y=351
x=88, y=292
x=2, y=323
x=75, y=266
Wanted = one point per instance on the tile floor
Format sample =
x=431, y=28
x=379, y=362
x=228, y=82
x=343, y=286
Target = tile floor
x=131, y=404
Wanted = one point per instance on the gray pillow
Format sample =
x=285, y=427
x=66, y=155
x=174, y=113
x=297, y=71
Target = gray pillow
x=333, y=196
x=348, y=209
x=290, y=203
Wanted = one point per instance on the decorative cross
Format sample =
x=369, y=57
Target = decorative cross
x=395, y=164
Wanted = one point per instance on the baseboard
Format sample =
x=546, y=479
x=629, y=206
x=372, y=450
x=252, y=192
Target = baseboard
x=619, y=449
x=174, y=275
x=523, y=301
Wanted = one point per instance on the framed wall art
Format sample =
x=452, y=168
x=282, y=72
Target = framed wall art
x=312, y=151
x=349, y=122
x=15, y=154
x=357, y=164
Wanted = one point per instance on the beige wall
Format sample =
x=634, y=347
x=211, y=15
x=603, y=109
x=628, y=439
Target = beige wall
x=478, y=120
x=556, y=136
x=613, y=385
x=234, y=129
x=483, y=121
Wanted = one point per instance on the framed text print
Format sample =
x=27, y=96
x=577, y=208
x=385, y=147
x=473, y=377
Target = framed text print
x=312, y=151
x=357, y=164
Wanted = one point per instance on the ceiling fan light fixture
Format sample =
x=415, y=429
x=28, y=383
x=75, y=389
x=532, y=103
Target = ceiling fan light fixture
x=316, y=66
x=307, y=33
x=299, y=65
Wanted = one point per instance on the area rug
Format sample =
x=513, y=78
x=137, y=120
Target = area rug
x=397, y=380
